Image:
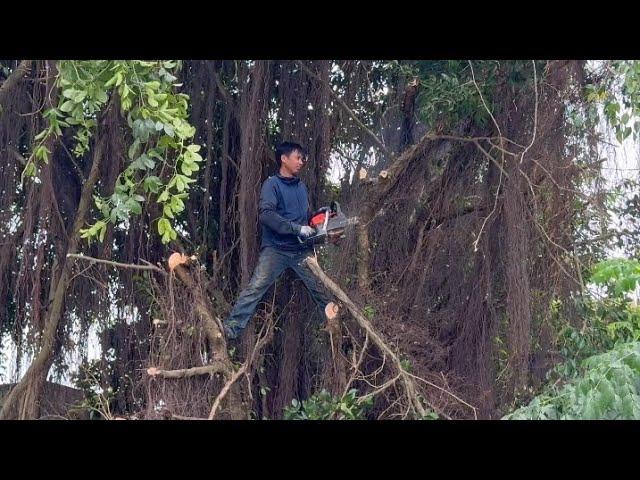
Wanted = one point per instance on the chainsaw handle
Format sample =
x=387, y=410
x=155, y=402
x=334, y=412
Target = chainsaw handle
x=320, y=210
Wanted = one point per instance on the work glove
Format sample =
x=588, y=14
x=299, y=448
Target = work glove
x=306, y=231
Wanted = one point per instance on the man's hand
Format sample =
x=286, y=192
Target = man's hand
x=306, y=231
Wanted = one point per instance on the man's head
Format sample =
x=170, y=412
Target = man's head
x=290, y=158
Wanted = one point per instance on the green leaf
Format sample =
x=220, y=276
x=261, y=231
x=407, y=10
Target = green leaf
x=186, y=168
x=103, y=230
x=80, y=96
x=30, y=170
x=111, y=81
x=177, y=205
x=163, y=226
x=67, y=106
x=133, y=149
x=152, y=184
x=40, y=136
x=133, y=206
x=73, y=94
x=180, y=185
x=42, y=153
x=126, y=104
x=101, y=96
x=164, y=196
x=149, y=163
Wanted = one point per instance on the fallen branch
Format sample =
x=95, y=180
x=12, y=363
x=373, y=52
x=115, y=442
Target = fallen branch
x=356, y=368
x=444, y=390
x=407, y=381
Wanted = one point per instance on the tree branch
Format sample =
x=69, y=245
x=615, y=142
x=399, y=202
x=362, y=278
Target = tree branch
x=116, y=264
x=217, y=367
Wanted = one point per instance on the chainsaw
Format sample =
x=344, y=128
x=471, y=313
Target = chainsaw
x=329, y=224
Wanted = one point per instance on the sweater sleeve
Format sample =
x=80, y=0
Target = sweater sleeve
x=268, y=214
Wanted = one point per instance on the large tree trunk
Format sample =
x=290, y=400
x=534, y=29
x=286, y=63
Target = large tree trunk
x=14, y=79
x=253, y=115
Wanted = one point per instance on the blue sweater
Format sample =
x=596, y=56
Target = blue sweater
x=284, y=208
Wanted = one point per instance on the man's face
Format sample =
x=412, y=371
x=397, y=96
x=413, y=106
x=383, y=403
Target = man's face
x=293, y=162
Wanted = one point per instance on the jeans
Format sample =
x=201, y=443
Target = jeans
x=271, y=263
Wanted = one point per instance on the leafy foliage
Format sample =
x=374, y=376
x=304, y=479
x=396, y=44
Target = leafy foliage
x=446, y=90
x=619, y=93
x=322, y=406
x=591, y=384
x=608, y=388
x=158, y=118
x=97, y=399
x=619, y=276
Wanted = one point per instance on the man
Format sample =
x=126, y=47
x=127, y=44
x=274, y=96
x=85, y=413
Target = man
x=284, y=216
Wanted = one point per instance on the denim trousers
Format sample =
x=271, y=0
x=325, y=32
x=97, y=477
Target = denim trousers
x=271, y=264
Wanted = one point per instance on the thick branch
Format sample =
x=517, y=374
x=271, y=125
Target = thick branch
x=217, y=367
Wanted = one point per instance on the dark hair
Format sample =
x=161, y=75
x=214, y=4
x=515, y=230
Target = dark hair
x=285, y=148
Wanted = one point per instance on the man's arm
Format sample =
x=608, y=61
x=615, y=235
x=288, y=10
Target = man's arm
x=269, y=216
